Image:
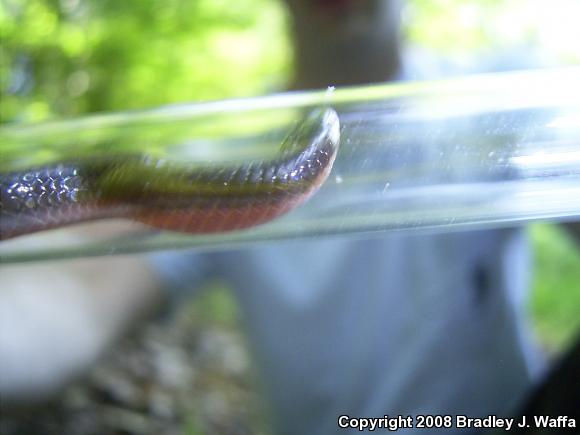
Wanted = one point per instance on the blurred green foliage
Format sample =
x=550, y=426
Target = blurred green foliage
x=470, y=30
x=61, y=58
x=429, y=27
x=67, y=57
x=555, y=305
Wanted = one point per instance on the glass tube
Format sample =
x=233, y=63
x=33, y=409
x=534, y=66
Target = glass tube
x=460, y=154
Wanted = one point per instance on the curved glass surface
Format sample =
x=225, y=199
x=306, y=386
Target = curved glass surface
x=467, y=153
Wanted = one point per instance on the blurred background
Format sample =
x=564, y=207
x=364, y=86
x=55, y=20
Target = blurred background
x=64, y=58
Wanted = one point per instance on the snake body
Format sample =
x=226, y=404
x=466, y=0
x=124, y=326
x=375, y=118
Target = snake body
x=168, y=195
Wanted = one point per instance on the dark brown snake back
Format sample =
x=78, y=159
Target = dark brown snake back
x=172, y=196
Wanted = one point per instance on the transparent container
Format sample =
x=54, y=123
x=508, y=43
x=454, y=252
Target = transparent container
x=461, y=154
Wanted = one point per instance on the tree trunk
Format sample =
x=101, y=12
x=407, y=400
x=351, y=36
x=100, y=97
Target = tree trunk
x=344, y=42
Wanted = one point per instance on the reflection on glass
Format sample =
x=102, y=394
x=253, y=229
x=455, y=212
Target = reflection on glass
x=434, y=156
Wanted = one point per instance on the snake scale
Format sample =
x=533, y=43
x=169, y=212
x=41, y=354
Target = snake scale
x=169, y=195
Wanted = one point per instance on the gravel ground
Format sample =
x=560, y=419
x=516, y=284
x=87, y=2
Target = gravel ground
x=176, y=377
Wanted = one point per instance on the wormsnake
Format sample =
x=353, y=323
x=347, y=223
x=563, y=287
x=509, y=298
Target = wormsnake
x=169, y=195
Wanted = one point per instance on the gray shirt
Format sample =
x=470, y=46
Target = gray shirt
x=397, y=325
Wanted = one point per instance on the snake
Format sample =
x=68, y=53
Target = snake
x=168, y=195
